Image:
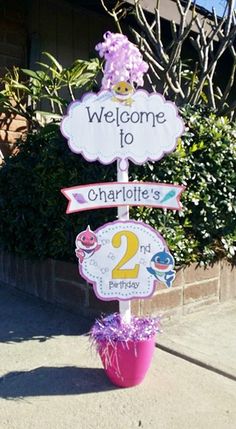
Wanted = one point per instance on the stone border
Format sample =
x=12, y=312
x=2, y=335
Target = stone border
x=53, y=281
x=59, y=282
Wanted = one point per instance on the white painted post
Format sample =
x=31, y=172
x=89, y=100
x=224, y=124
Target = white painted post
x=123, y=214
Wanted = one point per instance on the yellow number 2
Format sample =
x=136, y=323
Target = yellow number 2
x=132, y=248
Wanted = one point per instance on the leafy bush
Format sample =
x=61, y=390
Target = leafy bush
x=205, y=163
x=32, y=208
x=43, y=95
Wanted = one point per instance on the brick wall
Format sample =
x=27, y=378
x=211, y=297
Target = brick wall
x=193, y=289
x=12, y=127
x=53, y=281
x=59, y=282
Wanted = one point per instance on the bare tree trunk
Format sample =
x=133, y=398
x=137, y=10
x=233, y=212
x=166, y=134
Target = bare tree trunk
x=168, y=72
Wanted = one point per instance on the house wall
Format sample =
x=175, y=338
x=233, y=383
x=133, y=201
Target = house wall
x=13, y=34
x=13, y=52
x=169, y=11
x=65, y=30
x=57, y=26
x=28, y=28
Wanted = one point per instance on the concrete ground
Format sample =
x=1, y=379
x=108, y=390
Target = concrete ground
x=207, y=338
x=52, y=379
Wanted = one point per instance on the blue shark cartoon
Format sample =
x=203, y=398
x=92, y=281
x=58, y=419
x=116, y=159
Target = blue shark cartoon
x=161, y=266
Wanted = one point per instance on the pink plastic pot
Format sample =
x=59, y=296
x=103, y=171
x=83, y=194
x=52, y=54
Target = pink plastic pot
x=126, y=364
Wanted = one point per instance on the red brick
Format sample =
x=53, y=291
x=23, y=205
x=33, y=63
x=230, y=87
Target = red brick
x=9, y=136
x=5, y=148
x=135, y=307
x=173, y=314
x=68, y=271
x=227, y=281
x=34, y=277
x=199, y=305
x=101, y=306
x=179, y=278
x=200, y=291
x=46, y=288
x=178, y=282
x=163, y=301
x=195, y=273
x=69, y=295
x=68, y=289
x=10, y=261
x=11, y=116
x=20, y=273
x=13, y=125
x=5, y=267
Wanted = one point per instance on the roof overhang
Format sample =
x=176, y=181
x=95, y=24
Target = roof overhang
x=169, y=11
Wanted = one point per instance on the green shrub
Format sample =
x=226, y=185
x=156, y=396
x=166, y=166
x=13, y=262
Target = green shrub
x=26, y=92
x=205, y=163
x=32, y=208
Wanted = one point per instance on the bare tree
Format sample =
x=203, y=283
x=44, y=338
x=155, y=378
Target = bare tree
x=182, y=80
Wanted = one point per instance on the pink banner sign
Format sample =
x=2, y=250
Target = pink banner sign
x=124, y=260
x=114, y=194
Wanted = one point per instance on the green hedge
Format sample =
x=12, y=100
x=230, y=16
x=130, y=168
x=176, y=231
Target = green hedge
x=32, y=208
x=205, y=163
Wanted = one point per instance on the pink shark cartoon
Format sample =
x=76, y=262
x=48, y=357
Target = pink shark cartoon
x=86, y=244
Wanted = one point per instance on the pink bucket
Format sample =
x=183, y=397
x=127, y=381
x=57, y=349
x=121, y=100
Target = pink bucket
x=126, y=364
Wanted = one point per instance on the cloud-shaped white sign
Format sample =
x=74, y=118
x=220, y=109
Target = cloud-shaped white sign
x=102, y=127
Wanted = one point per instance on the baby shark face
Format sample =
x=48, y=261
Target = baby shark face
x=162, y=261
x=86, y=240
x=122, y=90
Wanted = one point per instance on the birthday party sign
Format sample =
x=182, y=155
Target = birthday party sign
x=122, y=124
x=114, y=194
x=124, y=260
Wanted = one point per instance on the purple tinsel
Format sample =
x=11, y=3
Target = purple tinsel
x=113, y=329
x=123, y=60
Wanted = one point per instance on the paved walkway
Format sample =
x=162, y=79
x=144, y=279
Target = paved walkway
x=207, y=338
x=51, y=379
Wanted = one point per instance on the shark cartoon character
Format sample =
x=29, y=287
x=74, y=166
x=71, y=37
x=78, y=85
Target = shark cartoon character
x=122, y=92
x=161, y=266
x=86, y=244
